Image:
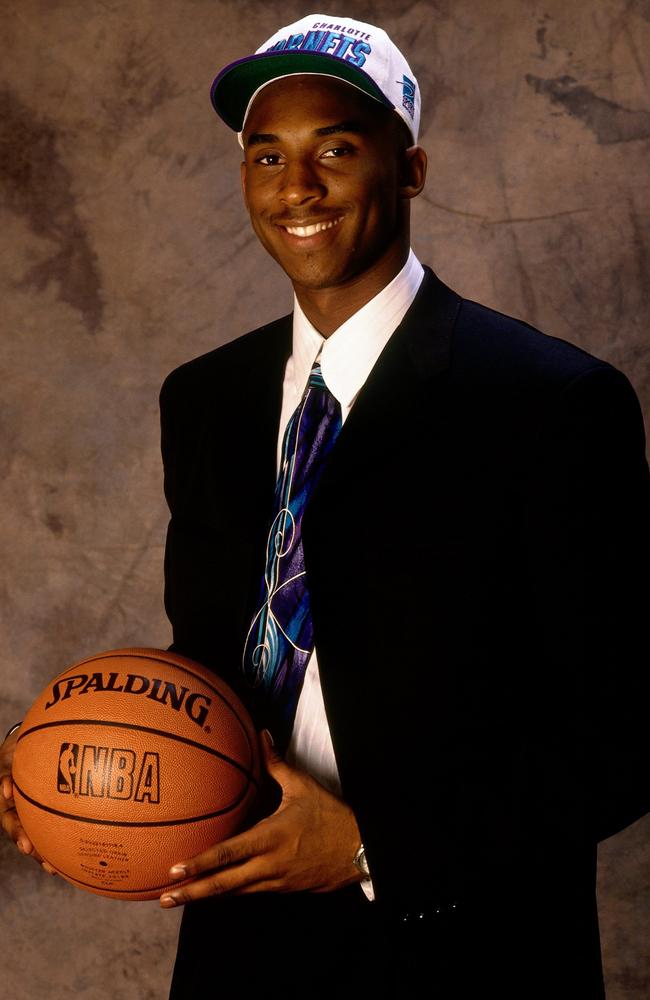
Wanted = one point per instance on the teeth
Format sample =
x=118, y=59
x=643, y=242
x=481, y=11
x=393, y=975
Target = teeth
x=311, y=230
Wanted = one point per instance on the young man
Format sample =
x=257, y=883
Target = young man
x=412, y=533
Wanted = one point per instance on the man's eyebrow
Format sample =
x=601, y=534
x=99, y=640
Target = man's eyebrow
x=349, y=126
x=262, y=138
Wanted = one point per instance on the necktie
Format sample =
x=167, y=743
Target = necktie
x=280, y=639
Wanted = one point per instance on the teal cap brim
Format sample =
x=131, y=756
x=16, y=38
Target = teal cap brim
x=235, y=85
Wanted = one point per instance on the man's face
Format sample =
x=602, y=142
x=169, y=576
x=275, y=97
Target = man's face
x=321, y=179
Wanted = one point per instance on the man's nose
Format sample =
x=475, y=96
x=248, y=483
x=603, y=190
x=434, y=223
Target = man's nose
x=300, y=183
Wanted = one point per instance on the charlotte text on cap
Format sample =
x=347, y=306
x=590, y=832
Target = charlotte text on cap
x=358, y=53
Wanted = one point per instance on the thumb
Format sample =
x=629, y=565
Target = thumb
x=270, y=756
x=294, y=782
x=276, y=766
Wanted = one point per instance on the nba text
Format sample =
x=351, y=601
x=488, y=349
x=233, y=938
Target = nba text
x=108, y=772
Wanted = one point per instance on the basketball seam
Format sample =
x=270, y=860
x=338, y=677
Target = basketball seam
x=143, y=729
x=99, y=888
x=127, y=823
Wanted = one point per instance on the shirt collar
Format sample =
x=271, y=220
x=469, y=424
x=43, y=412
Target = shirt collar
x=348, y=355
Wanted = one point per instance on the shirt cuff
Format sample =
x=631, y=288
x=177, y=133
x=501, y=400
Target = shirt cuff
x=368, y=889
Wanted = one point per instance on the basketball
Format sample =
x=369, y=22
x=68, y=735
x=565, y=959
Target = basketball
x=129, y=761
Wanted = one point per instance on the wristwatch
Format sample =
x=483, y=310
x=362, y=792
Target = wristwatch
x=360, y=863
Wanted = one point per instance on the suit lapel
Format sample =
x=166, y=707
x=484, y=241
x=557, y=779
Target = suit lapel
x=247, y=425
x=417, y=353
x=260, y=395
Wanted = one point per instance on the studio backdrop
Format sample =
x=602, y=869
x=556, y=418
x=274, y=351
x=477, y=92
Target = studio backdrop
x=126, y=250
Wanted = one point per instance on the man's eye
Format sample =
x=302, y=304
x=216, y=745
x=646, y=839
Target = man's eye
x=336, y=151
x=269, y=159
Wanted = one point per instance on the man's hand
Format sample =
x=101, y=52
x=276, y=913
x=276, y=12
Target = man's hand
x=8, y=815
x=308, y=843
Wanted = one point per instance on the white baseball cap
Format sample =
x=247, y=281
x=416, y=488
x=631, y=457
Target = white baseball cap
x=321, y=44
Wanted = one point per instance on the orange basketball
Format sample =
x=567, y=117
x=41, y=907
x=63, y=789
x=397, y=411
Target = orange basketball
x=130, y=761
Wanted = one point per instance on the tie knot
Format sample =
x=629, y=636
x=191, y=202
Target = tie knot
x=316, y=379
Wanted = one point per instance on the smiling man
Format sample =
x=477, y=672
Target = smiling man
x=412, y=532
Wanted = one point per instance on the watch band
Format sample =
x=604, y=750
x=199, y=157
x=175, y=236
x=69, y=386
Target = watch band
x=360, y=862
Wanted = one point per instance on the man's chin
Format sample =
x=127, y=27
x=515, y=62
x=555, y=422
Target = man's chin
x=318, y=278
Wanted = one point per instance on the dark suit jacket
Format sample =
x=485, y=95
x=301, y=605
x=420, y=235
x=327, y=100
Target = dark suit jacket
x=477, y=554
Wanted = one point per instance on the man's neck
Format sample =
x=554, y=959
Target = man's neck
x=328, y=308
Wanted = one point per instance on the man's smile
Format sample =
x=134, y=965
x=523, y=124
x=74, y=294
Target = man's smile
x=306, y=229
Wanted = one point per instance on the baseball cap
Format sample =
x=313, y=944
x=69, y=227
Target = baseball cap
x=360, y=54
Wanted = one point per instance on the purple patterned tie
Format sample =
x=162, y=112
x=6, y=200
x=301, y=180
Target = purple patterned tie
x=280, y=639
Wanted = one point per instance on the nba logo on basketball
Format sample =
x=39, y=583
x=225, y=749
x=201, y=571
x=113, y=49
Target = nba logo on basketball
x=67, y=776
x=108, y=772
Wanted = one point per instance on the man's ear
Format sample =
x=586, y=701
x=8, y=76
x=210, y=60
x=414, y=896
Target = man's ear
x=242, y=169
x=413, y=171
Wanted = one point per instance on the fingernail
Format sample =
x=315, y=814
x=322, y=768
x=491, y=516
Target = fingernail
x=48, y=868
x=167, y=901
x=178, y=871
x=269, y=737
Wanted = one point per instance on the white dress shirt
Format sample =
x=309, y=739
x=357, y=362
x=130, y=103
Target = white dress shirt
x=347, y=357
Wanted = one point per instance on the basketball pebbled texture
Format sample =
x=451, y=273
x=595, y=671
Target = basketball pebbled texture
x=129, y=761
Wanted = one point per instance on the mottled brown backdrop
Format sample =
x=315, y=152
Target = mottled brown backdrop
x=126, y=250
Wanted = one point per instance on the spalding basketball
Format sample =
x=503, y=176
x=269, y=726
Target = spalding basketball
x=130, y=761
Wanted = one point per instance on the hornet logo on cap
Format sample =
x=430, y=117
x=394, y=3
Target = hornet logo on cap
x=408, y=94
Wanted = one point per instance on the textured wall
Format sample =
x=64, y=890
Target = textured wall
x=124, y=245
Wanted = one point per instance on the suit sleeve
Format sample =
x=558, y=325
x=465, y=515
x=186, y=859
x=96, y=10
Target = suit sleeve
x=171, y=434
x=590, y=542
x=192, y=544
